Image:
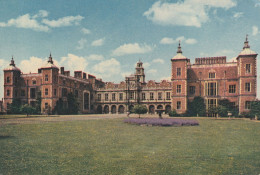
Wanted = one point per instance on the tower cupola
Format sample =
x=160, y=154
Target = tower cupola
x=246, y=49
x=12, y=66
x=50, y=63
x=50, y=59
x=179, y=55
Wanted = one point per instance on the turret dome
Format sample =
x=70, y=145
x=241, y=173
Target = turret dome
x=12, y=66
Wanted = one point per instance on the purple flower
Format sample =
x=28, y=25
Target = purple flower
x=162, y=122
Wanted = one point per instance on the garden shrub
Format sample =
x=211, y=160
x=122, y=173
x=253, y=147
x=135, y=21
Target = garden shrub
x=173, y=113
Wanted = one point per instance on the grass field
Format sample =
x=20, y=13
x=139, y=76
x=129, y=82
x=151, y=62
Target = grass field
x=109, y=146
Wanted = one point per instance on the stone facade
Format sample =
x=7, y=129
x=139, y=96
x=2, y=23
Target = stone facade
x=50, y=84
x=120, y=98
x=212, y=78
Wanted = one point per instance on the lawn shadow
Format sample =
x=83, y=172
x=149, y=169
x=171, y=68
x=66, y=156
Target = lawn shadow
x=6, y=137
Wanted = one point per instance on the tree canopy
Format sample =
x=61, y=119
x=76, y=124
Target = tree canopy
x=139, y=109
x=197, y=107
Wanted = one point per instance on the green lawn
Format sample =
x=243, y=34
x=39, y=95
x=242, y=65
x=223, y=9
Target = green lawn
x=109, y=146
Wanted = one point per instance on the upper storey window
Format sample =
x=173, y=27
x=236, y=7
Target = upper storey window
x=212, y=75
x=248, y=68
x=178, y=71
x=232, y=88
x=178, y=89
x=211, y=89
x=106, y=97
x=8, y=80
x=46, y=78
x=247, y=87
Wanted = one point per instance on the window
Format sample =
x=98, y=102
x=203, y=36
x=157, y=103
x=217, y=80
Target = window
x=192, y=90
x=143, y=96
x=86, y=101
x=33, y=92
x=233, y=104
x=76, y=93
x=212, y=75
x=178, y=89
x=55, y=79
x=178, y=71
x=113, y=97
x=34, y=82
x=46, y=91
x=248, y=68
x=232, y=88
x=8, y=106
x=159, y=96
x=15, y=80
x=8, y=92
x=106, y=97
x=212, y=103
x=168, y=95
x=98, y=97
x=211, y=89
x=15, y=93
x=46, y=78
x=33, y=103
x=64, y=92
x=8, y=80
x=121, y=96
x=46, y=105
x=131, y=95
x=64, y=82
x=22, y=92
x=247, y=105
x=247, y=87
x=55, y=92
x=151, y=96
x=178, y=104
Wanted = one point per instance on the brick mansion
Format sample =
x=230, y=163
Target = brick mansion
x=212, y=78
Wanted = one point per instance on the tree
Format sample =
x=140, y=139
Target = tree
x=173, y=113
x=225, y=106
x=59, y=109
x=73, y=106
x=213, y=111
x=139, y=109
x=38, y=103
x=197, y=107
x=255, y=109
x=27, y=109
x=15, y=107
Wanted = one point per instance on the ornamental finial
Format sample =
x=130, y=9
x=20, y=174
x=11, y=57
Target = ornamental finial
x=179, y=47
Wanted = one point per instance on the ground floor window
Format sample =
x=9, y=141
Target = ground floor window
x=178, y=104
x=212, y=103
x=247, y=105
x=86, y=101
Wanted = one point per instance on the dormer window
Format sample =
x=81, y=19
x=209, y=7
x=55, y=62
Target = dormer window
x=248, y=68
x=212, y=75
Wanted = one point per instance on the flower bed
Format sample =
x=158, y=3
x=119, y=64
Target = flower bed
x=161, y=122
